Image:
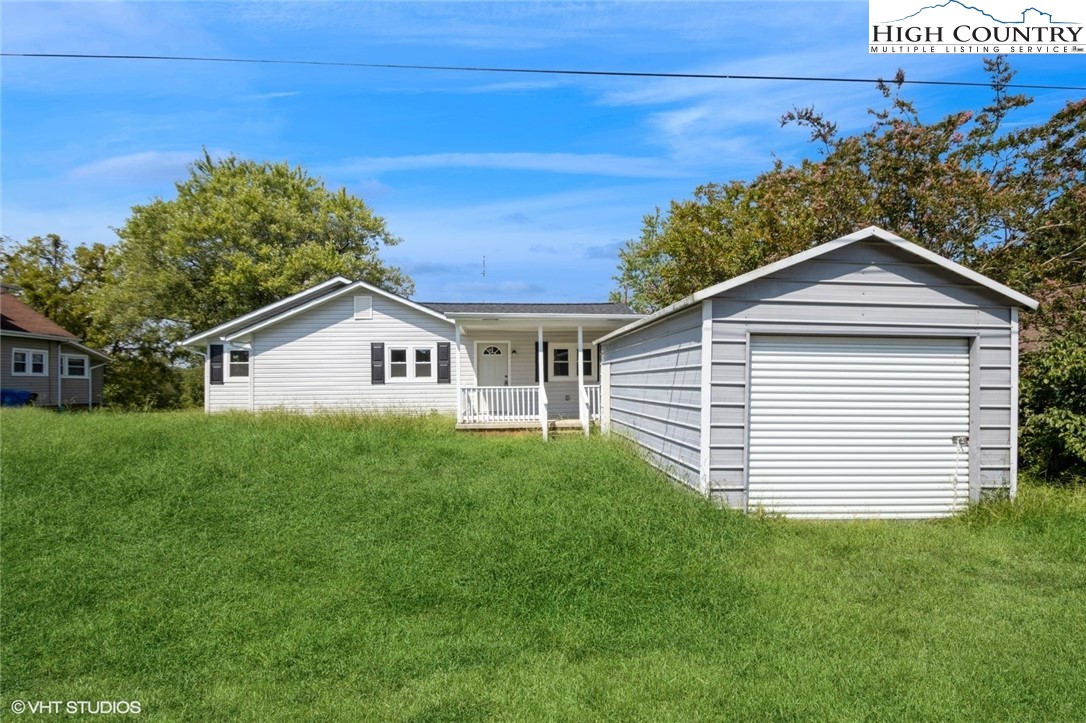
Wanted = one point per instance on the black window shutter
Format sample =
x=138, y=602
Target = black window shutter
x=377, y=362
x=546, y=374
x=216, y=363
x=443, y=366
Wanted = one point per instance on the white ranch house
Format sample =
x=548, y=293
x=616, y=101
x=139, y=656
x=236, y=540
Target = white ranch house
x=350, y=345
x=865, y=377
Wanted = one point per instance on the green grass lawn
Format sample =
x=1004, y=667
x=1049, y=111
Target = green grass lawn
x=339, y=568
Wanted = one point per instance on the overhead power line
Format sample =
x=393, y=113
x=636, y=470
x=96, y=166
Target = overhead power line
x=536, y=71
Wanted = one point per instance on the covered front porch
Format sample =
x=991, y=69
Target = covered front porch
x=529, y=370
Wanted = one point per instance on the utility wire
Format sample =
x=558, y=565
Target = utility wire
x=537, y=71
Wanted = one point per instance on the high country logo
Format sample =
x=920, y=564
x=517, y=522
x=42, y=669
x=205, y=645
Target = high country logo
x=1000, y=26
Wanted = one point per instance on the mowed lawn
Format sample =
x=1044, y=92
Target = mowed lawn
x=349, y=568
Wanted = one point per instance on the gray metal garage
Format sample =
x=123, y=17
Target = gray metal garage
x=866, y=377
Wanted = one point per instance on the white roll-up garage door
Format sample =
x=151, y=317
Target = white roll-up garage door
x=859, y=426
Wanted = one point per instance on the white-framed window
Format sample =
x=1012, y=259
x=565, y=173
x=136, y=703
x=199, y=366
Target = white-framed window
x=564, y=362
x=74, y=365
x=239, y=363
x=412, y=363
x=560, y=362
x=363, y=307
x=29, y=362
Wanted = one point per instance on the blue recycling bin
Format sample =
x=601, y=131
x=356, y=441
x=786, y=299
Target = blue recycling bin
x=15, y=397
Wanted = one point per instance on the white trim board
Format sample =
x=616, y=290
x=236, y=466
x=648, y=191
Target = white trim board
x=225, y=326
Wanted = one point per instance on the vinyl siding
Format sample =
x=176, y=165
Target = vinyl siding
x=320, y=360
x=233, y=393
x=45, y=387
x=864, y=289
x=655, y=392
x=73, y=392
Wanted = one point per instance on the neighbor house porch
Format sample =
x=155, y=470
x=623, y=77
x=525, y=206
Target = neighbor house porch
x=526, y=367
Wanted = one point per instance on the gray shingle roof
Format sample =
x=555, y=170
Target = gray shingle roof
x=602, y=309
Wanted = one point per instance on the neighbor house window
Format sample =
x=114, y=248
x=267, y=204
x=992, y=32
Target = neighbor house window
x=73, y=365
x=27, y=362
x=409, y=363
x=587, y=362
x=561, y=363
x=239, y=362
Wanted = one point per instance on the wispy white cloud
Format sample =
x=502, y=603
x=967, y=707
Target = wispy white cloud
x=548, y=249
x=139, y=167
x=596, y=164
x=517, y=218
x=268, y=96
x=604, y=251
x=506, y=288
x=428, y=268
x=513, y=86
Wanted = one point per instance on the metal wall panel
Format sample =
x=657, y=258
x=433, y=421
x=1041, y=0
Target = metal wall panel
x=655, y=392
x=858, y=426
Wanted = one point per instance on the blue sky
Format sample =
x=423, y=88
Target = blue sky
x=544, y=176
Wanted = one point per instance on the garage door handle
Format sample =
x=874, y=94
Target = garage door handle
x=960, y=439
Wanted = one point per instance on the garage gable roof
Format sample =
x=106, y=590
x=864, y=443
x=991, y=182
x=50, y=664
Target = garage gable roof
x=871, y=233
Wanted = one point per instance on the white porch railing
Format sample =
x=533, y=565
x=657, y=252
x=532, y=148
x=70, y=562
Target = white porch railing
x=499, y=404
x=592, y=391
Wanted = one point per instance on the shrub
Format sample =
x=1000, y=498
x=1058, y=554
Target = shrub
x=1053, y=409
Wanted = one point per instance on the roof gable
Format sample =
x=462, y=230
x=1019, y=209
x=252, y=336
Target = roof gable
x=871, y=233
x=271, y=310
x=355, y=287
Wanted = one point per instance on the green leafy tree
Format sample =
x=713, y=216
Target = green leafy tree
x=238, y=235
x=1008, y=203
x=59, y=282
x=1053, y=409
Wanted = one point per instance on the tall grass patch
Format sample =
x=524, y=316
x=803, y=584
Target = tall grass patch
x=342, y=567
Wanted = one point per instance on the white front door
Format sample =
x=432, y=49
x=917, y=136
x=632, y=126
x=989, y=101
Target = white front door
x=493, y=364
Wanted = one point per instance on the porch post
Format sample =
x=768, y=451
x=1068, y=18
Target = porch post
x=582, y=397
x=456, y=356
x=541, y=360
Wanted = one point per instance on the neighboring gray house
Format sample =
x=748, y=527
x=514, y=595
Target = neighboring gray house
x=350, y=345
x=866, y=377
x=41, y=357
